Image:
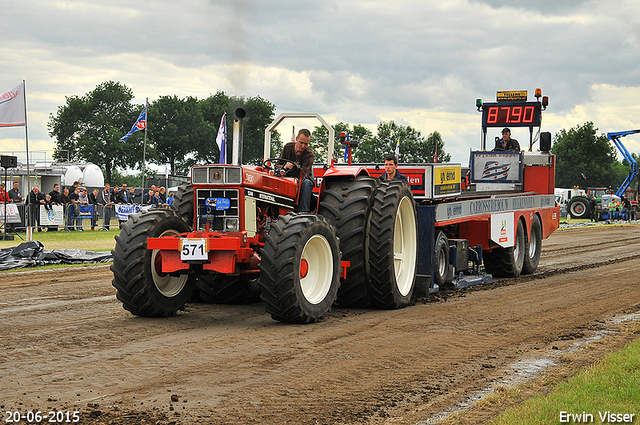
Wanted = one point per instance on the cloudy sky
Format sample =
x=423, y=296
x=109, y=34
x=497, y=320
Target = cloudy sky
x=420, y=63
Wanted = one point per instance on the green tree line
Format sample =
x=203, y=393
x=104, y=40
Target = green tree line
x=586, y=159
x=182, y=132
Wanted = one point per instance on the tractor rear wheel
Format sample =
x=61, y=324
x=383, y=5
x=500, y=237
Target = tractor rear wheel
x=224, y=289
x=533, y=247
x=393, y=246
x=347, y=205
x=300, y=268
x=137, y=271
x=507, y=262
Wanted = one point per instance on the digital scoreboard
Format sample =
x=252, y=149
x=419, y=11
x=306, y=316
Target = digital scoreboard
x=511, y=114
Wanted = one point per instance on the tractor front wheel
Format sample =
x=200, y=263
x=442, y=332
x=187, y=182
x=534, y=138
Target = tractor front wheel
x=300, y=268
x=142, y=287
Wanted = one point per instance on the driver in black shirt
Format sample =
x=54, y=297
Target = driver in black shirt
x=507, y=143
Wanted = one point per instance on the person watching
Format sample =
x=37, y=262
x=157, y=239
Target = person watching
x=391, y=169
x=301, y=154
x=93, y=200
x=35, y=199
x=105, y=198
x=14, y=194
x=124, y=195
x=55, y=195
x=132, y=195
x=507, y=143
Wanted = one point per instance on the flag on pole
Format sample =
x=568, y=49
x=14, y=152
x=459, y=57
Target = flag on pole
x=221, y=139
x=12, y=109
x=140, y=124
x=346, y=150
x=435, y=154
x=398, y=150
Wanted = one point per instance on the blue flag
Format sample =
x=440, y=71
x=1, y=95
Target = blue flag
x=346, y=150
x=140, y=124
x=221, y=139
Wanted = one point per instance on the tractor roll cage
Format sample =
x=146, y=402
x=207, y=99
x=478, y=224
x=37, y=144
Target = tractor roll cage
x=283, y=116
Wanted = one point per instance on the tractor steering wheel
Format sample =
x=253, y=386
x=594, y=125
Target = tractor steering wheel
x=293, y=172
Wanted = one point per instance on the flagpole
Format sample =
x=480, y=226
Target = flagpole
x=26, y=128
x=26, y=141
x=144, y=150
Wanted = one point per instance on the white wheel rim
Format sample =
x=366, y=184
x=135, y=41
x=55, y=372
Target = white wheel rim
x=167, y=285
x=533, y=244
x=442, y=262
x=516, y=245
x=316, y=282
x=405, y=246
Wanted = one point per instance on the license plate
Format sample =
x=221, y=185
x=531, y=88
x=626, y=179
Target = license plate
x=194, y=249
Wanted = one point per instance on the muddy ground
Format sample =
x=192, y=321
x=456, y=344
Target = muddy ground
x=67, y=345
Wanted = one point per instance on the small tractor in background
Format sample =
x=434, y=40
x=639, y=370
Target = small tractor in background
x=578, y=206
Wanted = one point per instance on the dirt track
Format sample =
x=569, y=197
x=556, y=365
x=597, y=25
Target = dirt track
x=68, y=345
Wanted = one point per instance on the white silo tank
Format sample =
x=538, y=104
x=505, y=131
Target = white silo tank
x=93, y=176
x=72, y=173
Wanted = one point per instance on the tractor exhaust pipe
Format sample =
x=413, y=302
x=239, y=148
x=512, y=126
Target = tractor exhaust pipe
x=236, y=157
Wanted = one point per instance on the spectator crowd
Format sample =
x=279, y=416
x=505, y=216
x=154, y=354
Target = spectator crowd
x=80, y=204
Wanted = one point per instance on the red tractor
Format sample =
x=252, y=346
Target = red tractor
x=235, y=236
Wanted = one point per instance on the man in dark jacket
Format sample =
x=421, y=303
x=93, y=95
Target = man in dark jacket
x=301, y=154
x=34, y=200
x=391, y=169
x=55, y=195
x=507, y=143
x=56, y=199
x=14, y=194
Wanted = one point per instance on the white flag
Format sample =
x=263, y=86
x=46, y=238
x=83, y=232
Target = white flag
x=12, y=111
x=221, y=139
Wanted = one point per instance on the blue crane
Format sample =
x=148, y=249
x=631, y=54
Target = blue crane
x=633, y=172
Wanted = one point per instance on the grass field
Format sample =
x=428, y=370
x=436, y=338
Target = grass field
x=610, y=387
x=87, y=240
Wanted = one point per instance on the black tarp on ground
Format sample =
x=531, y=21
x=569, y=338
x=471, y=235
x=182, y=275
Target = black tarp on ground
x=29, y=254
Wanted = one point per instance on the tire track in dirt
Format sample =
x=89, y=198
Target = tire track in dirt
x=233, y=364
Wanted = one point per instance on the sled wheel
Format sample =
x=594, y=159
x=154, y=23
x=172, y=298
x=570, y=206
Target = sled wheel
x=533, y=247
x=507, y=262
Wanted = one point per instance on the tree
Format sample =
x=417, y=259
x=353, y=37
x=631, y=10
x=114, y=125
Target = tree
x=412, y=145
x=89, y=128
x=584, y=159
x=176, y=130
x=320, y=140
x=259, y=114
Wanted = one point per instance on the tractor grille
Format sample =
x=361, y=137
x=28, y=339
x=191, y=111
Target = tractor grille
x=220, y=220
x=216, y=175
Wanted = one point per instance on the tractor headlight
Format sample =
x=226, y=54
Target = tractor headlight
x=231, y=224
